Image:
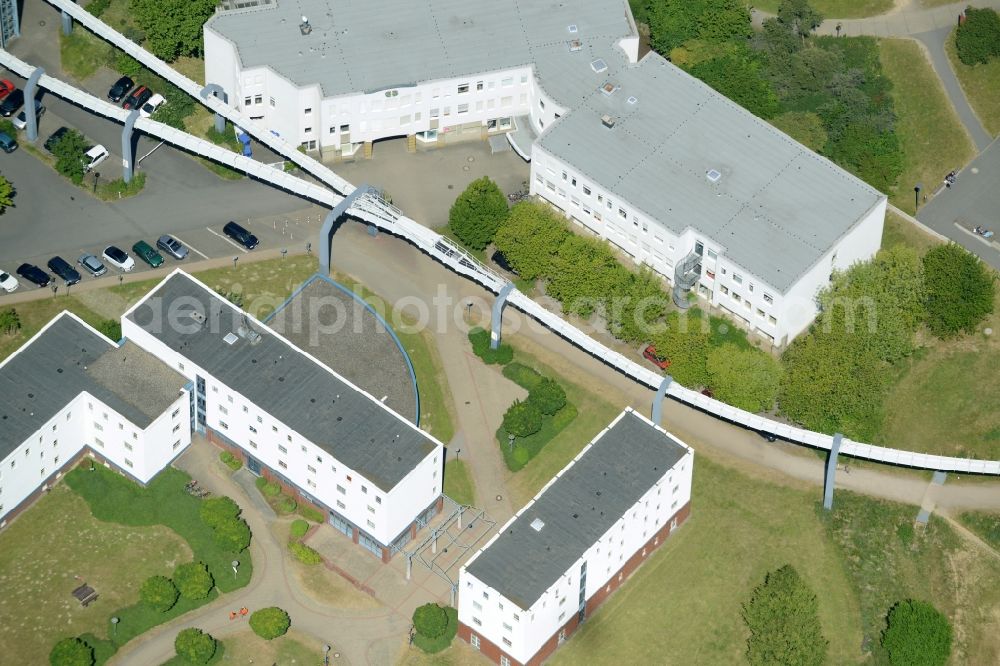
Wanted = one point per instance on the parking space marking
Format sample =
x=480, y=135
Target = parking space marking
x=192, y=247
x=227, y=239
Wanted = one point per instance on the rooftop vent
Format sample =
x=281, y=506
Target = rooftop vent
x=230, y=338
x=198, y=316
x=713, y=175
x=304, y=27
x=607, y=121
x=632, y=99
x=247, y=333
x=572, y=28
x=575, y=45
x=609, y=88
x=537, y=524
x=599, y=65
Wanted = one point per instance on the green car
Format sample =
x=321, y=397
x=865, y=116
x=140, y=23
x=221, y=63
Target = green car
x=145, y=251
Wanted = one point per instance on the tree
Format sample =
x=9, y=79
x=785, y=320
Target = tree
x=195, y=646
x=71, y=652
x=799, y=16
x=10, y=321
x=112, y=328
x=216, y=510
x=6, y=194
x=193, y=580
x=744, y=378
x=270, y=622
x=674, y=22
x=68, y=151
x=683, y=342
x=803, y=126
x=173, y=27
x=740, y=77
x=783, y=619
x=530, y=237
x=548, y=396
x=159, y=592
x=522, y=419
x=978, y=39
x=959, y=290
x=477, y=213
x=232, y=535
x=917, y=634
x=430, y=620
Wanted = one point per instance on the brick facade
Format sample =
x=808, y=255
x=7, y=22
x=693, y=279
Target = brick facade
x=494, y=653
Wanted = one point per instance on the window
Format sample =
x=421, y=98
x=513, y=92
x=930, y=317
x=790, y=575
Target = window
x=463, y=88
x=173, y=415
x=282, y=449
x=478, y=606
x=259, y=99
x=724, y=289
x=507, y=627
x=310, y=483
x=312, y=470
x=177, y=444
x=476, y=621
x=364, y=489
x=506, y=641
x=272, y=101
x=223, y=409
x=507, y=82
x=370, y=524
x=307, y=111
x=344, y=129
x=768, y=298
x=308, y=130
x=260, y=419
x=274, y=428
x=301, y=446
x=760, y=313
x=737, y=278
x=253, y=444
x=252, y=429
x=541, y=104
x=246, y=101
x=97, y=441
x=176, y=428
x=341, y=505
x=621, y=213
x=771, y=320
x=378, y=500
x=371, y=509
x=128, y=447
x=230, y=399
x=341, y=490
x=128, y=463
x=463, y=108
x=750, y=287
x=474, y=641
x=282, y=464
x=586, y=190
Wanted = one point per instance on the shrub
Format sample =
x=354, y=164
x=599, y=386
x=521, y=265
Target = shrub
x=311, y=513
x=216, y=510
x=304, y=553
x=269, y=623
x=68, y=151
x=195, y=646
x=782, y=616
x=477, y=213
x=522, y=419
x=744, y=378
x=71, y=652
x=159, y=592
x=127, y=65
x=441, y=641
x=112, y=328
x=10, y=321
x=521, y=455
x=286, y=504
x=548, y=396
x=959, y=290
x=978, y=39
x=267, y=488
x=530, y=237
x=231, y=461
x=193, y=580
x=299, y=528
x=430, y=620
x=480, y=340
x=232, y=535
x=98, y=7
x=525, y=377
x=916, y=634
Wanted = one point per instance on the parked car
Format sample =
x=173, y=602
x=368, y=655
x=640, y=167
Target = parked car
x=120, y=88
x=649, y=353
x=54, y=138
x=138, y=97
x=62, y=268
x=150, y=107
x=118, y=258
x=34, y=274
x=145, y=251
x=6, y=88
x=8, y=282
x=7, y=143
x=172, y=246
x=21, y=121
x=92, y=265
x=11, y=103
x=94, y=156
x=240, y=235
x=500, y=259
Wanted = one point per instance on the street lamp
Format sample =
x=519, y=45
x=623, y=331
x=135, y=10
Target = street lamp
x=916, y=196
x=114, y=626
x=457, y=451
x=96, y=177
x=326, y=655
x=236, y=563
x=468, y=309
x=235, y=259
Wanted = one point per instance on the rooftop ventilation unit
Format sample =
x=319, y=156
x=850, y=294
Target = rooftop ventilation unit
x=607, y=121
x=246, y=332
x=572, y=28
x=599, y=65
x=609, y=88
x=537, y=524
x=230, y=338
x=304, y=27
x=575, y=45
x=713, y=175
x=198, y=316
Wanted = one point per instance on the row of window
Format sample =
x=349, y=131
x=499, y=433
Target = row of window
x=735, y=296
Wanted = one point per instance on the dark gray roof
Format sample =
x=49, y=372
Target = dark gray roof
x=582, y=504
x=282, y=381
x=67, y=359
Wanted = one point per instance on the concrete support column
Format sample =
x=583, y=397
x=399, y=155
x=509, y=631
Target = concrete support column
x=30, y=89
x=327, y=229
x=831, y=472
x=372, y=230
x=409, y=566
x=498, y=313
x=127, y=156
x=67, y=24
x=216, y=89
x=461, y=510
x=434, y=543
x=661, y=395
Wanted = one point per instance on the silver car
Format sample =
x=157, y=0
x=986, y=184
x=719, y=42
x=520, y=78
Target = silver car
x=92, y=265
x=172, y=246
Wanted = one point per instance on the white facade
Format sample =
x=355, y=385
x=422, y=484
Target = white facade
x=521, y=633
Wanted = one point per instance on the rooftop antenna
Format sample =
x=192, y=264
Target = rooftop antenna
x=304, y=27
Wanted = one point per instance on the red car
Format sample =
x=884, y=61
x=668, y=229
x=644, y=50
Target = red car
x=649, y=353
x=6, y=88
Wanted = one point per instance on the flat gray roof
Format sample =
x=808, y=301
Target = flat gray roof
x=69, y=358
x=283, y=382
x=622, y=464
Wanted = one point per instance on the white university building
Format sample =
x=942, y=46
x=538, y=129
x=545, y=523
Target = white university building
x=636, y=151
x=526, y=591
x=192, y=361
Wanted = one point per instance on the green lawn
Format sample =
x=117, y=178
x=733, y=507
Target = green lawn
x=899, y=231
x=835, y=8
x=986, y=525
x=933, y=139
x=82, y=53
x=248, y=648
x=53, y=541
x=524, y=449
x=981, y=84
x=458, y=483
x=35, y=314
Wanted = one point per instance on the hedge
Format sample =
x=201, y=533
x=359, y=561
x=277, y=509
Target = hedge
x=525, y=377
x=231, y=461
x=480, y=340
x=304, y=553
x=311, y=513
x=267, y=488
x=299, y=528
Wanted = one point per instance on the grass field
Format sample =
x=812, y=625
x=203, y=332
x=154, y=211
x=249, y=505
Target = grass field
x=899, y=231
x=82, y=53
x=35, y=314
x=292, y=648
x=836, y=8
x=981, y=85
x=57, y=539
x=933, y=139
x=458, y=483
x=986, y=525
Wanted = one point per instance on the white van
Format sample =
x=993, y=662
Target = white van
x=94, y=156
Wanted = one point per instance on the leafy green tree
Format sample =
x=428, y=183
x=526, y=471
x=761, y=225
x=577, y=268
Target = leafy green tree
x=522, y=419
x=193, y=580
x=216, y=510
x=548, y=396
x=68, y=151
x=530, y=237
x=10, y=321
x=232, y=535
x=683, y=342
x=739, y=76
x=960, y=289
x=674, y=22
x=195, y=646
x=430, y=620
x=269, y=623
x=7, y=193
x=804, y=126
x=585, y=274
x=744, y=378
x=112, y=328
x=478, y=212
x=633, y=314
x=159, y=592
x=173, y=27
x=978, y=39
x=873, y=155
x=71, y=652
x=783, y=619
x=799, y=16
x=917, y=634
x=126, y=64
